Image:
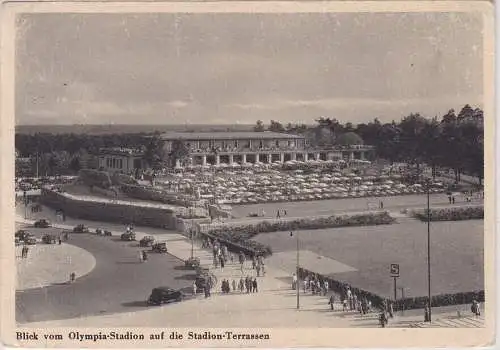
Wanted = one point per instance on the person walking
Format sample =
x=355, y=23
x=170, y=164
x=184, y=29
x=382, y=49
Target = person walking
x=195, y=289
x=234, y=286
x=60, y=241
x=254, y=262
x=144, y=255
x=391, y=309
x=72, y=277
x=258, y=270
x=254, y=284
x=242, y=285
x=294, y=281
x=344, y=305
x=331, y=301
x=326, y=286
x=26, y=252
x=221, y=262
x=141, y=257
x=241, y=259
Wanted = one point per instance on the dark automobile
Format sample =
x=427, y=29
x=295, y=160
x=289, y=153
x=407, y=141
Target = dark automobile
x=128, y=236
x=30, y=239
x=147, y=241
x=42, y=223
x=49, y=239
x=193, y=262
x=101, y=232
x=162, y=295
x=21, y=234
x=81, y=228
x=160, y=247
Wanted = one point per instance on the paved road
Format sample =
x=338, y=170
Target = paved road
x=119, y=283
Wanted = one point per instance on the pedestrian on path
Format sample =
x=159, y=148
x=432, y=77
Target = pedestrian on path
x=331, y=301
x=344, y=305
x=216, y=261
x=241, y=259
x=141, y=257
x=326, y=286
x=258, y=270
x=221, y=262
x=60, y=241
x=234, y=286
x=72, y=277
x=242, y=285
x=254, y=284
x=254, y=262
x=294, y=281
x=194, y=289
x=144, y=255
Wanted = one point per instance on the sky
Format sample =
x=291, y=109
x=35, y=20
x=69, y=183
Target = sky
x=239, y=68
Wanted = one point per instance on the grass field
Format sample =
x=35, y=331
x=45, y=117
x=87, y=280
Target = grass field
x=457, y=251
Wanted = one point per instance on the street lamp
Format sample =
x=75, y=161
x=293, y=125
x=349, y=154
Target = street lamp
x=297, y=284
x=428, y=186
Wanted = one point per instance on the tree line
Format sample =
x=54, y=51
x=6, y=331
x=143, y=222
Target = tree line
x=453, y=141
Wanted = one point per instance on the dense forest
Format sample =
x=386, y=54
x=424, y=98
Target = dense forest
x=453, y=141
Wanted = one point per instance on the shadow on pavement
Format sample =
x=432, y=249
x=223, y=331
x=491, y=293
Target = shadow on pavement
x=190, y=277
x=183, y=268
x=138, y=303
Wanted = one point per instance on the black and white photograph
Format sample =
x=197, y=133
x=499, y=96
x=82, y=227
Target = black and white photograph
x=230, y=170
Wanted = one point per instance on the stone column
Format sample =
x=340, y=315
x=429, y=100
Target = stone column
x=217, y=159
x=362, y=155
x=316, y=156
x=306, y=157
x=282, y=157
x=204, y=160
x=270, y=158
x=231, y=159
x=351, y=155
x=293, y=156
x=244, y=158
x=177, y=163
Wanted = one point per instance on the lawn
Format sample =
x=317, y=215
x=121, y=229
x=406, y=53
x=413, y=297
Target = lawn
x=457, y=251
x=324, y=207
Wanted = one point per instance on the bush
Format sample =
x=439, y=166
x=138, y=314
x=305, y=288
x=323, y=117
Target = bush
x=408, y=303
x=95, y=178
x=451, y=214
x=247, y=246
x=249, y=230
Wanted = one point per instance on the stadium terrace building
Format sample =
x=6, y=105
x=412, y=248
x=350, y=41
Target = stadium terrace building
x=217, y=148
x=120, y=160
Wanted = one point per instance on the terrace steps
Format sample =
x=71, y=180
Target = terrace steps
x=453, y=322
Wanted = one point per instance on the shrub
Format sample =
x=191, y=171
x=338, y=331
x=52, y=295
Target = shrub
x=451, y=214
x=408, y=303
x=246, y=231
x=95, y=178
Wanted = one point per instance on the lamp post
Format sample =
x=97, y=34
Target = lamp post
x=429, y=247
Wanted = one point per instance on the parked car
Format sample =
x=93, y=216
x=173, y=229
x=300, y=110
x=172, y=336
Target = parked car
x=81, y=228
x=49, y=239
x=159, y=247
x=101, y=232
x=162, y=295
x=193, y=262
x=21, y=234
x=128, y=236
x=147, y=241
x=30, y=239
x=42, y=223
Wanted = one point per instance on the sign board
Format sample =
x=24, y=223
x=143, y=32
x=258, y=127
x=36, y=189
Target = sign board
x=394, y=270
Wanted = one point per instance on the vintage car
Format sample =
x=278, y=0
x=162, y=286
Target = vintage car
x=30, y=239
x=101, y=232
x=193, y=262
x=159, y=247
x=21, y=234
x=162, y=295
x=147, y=241
x=42, y=223
x=49, y=239
x=128, y=236
x=81, y=228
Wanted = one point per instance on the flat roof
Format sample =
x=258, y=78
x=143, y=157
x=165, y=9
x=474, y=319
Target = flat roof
x=230, y=135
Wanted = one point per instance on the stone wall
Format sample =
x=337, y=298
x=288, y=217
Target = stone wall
x=105, y=210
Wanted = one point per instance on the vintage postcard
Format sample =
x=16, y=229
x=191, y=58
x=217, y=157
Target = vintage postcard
x=247, y=174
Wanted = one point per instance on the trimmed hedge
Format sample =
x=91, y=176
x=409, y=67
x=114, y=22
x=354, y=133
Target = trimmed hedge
x=451, y=214
x=247, y=231
x=459, y=298
x=247, y=246
x=95, y=178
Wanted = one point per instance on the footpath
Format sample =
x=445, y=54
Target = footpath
x=274, y=305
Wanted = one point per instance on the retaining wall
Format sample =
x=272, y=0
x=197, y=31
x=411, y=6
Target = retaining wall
x=109, y=211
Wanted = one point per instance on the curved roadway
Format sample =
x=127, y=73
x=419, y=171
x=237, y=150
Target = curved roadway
x=118, y=283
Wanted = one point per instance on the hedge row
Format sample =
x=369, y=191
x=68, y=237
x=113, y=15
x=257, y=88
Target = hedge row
x=459, y=298
x=246, y=231
x=247, y=246
x=451, y=214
